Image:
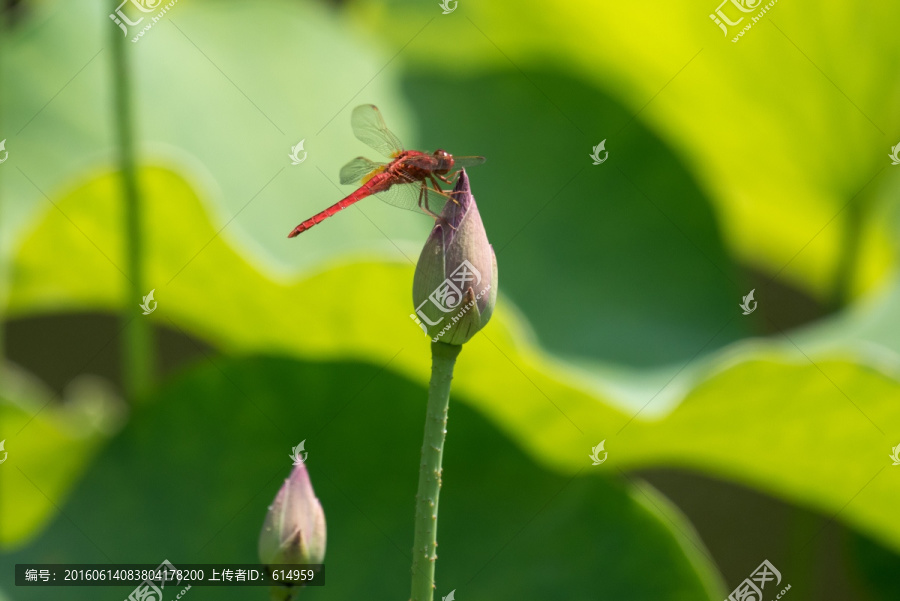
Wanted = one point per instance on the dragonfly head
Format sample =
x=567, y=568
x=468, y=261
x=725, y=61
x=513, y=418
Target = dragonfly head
x=445, y=161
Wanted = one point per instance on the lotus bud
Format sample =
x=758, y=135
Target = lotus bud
x=294, y=530
x=455, y=285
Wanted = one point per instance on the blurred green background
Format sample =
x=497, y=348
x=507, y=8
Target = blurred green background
x=760, y=164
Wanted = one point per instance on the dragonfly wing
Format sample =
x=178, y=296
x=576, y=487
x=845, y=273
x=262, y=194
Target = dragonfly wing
x=369, y=128
x=429, y=162
x=407, y=196
x=357, y=169
x=460, y=162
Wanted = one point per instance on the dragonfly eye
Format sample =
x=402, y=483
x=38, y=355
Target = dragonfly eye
x=444, y=162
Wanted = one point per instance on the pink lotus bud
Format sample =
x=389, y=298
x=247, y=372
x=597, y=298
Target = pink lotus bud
x=294, y=530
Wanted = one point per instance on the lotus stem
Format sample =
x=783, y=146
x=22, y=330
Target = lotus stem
x=137, y=345
x=443, y=358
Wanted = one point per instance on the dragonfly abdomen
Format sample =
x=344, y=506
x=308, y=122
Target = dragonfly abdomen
x=372, y=186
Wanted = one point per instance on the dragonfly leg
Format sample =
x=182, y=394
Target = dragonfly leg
x=452, y=181
x=452, y=177
x=423, y=196
x=423, y=201
x=437, y=187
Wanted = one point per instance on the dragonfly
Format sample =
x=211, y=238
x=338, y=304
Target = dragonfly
x=410, y=180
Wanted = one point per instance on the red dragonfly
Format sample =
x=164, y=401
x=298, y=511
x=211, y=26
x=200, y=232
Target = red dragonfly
x=403, y=182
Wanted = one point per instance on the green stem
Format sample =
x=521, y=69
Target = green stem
x=443, y=358
x=137, y=359
x=5, y=253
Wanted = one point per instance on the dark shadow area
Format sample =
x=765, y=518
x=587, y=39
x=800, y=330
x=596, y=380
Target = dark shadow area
x=57, y=348
x=822, y=559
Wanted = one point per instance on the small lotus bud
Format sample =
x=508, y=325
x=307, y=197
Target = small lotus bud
x=455, y=286
x=294, y=530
